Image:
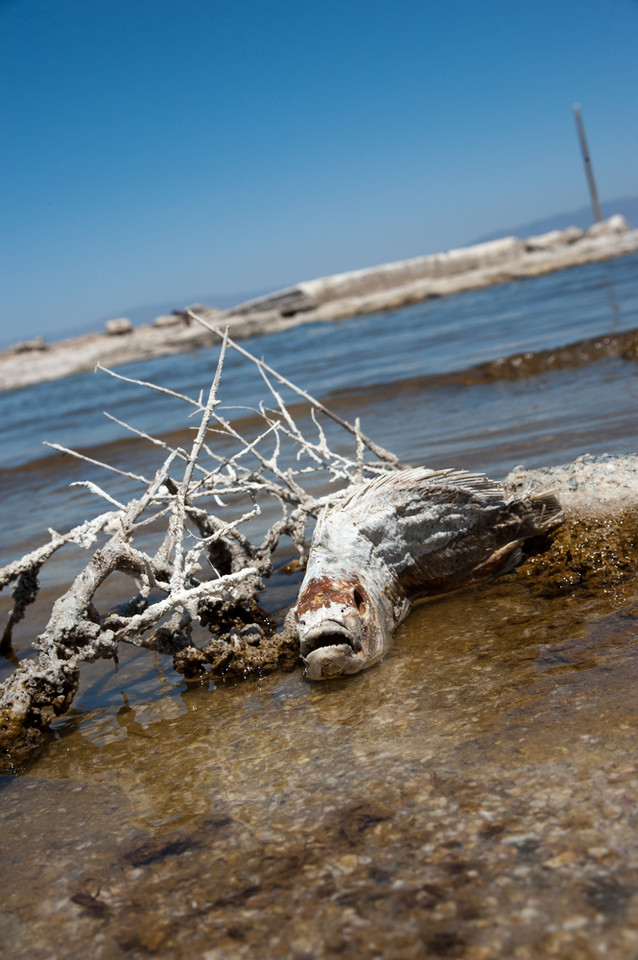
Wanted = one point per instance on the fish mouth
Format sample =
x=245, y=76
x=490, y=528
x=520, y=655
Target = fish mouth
x=330, y=650
x=330, y=635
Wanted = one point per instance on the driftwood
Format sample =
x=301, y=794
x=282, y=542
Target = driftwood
x=204, y=570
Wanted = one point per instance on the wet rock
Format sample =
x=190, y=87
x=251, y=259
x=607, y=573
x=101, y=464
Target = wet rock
x=586, y=552
x=519, y=366
x=244, y=643
x=608, y=228
x=597, y=545
x=36, y=345
x=119, y=327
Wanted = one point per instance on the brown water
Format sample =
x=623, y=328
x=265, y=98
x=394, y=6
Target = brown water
x=475, y=795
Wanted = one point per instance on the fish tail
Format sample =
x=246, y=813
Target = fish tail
x=541, y=514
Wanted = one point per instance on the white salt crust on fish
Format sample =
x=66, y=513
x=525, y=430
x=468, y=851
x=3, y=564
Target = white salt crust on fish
x=399, y=538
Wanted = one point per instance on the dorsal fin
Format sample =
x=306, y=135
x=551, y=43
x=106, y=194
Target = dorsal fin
x=418, y=476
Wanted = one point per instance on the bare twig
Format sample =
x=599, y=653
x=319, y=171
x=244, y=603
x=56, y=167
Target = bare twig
x=96, y=463
x=378, y=451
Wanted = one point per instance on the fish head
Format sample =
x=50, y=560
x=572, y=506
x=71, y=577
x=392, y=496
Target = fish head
x=343, y=628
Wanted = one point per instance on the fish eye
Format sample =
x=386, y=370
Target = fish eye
x=359, y=601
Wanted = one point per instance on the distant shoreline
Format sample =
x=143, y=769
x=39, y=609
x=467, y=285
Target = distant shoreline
x=376, y=289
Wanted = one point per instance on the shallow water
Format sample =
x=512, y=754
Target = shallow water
x=475, y=795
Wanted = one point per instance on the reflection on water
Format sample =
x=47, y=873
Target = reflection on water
x=475, y=795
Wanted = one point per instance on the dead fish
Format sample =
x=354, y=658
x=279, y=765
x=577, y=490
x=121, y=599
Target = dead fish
x=399, y=538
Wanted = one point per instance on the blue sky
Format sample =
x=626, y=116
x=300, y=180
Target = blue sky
x=162, y=150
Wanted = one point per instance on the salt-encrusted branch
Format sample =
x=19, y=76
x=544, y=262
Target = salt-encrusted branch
x=175, y=535
x=151, y=386
x=286, y=478
x=204, y=568
x=295, y=432
x=378, y=451
x=359, y=451
x=83, y=535
x=99, y=492
x=132, y=628
x=96, y=463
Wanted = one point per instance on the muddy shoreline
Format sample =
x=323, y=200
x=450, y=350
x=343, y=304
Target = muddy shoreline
x=373, y=290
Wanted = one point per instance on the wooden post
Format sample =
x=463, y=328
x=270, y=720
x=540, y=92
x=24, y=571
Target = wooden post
x=587, y=161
